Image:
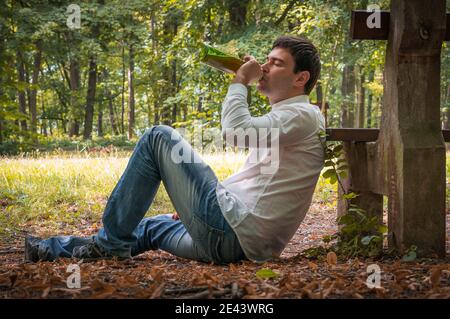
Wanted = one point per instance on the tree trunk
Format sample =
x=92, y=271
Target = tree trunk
x=319, y=93
x=347, y=120
x=348, y=94
x=74, y=126
x=200, y=104
x=131, y=93
x=155, y=89
x=166, y=91
x=155, y=113
x=64, y=126
x=44, y=121
x=92, y=85
x=285, y=12
x=174, y=88
x=220, y=27
x=100, y=123
x=185, y=111
x=111, y=114
x=237, y=10
x=369, y=101
x=1, y=129
x=21, y=92
x=1, y=117
x=90, y=98
x=33, y=91
x=321, y=103
x=122, y=127
x=447, y=113
x=360, y=97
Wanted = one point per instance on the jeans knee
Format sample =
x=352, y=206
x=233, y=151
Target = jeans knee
x=165, y=130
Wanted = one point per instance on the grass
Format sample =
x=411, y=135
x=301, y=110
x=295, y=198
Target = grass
x=62, y=190
x=67, y=189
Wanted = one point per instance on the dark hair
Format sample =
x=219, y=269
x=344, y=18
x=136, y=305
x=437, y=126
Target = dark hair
x=305, y=55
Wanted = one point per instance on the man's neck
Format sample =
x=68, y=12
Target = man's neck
x=277, y=99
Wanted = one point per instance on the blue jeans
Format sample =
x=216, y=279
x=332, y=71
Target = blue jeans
x=201, y=233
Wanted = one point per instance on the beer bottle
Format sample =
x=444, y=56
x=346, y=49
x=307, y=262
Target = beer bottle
x=219, y=60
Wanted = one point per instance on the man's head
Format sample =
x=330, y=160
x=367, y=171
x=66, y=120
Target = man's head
x=292, y=68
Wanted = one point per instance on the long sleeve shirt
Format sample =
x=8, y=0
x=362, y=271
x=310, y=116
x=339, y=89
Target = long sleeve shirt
x=267, y=199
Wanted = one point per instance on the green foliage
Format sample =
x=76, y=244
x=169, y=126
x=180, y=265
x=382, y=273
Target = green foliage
x=410, y=255
x=64, y=144
x=360, y=235
x=171, y=86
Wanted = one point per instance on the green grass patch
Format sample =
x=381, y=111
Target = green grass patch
x=57, y=190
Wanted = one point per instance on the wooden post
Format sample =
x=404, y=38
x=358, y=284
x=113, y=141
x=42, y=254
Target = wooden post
x=362, y=179
x=411, y=142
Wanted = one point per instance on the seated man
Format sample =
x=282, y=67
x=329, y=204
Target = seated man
x=252, y=214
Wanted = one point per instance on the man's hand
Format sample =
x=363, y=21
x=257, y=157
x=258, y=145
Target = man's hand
x=175, y=216
x=249, y=72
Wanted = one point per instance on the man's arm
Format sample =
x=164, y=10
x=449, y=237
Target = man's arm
x=235, y=114
x=289, y=124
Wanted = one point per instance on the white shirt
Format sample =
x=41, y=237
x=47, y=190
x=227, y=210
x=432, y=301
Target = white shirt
x=267, y=199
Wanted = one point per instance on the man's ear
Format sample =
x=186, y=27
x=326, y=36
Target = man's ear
x=301, y=79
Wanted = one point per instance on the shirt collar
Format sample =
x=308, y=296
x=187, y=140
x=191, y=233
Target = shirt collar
x=294, y=99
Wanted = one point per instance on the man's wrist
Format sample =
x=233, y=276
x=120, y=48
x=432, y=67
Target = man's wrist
x=240, y=79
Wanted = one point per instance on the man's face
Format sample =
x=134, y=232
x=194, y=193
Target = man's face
x=278, y=78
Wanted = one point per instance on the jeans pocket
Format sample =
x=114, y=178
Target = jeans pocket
x=206, y=236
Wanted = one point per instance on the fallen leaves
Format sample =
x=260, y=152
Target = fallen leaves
x=435, y=277
x=332, y=258
x=161, y=275
x=158, y=274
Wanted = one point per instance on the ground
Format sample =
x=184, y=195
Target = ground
x=157, y=274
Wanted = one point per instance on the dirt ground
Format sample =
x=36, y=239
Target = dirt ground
x=157, y=274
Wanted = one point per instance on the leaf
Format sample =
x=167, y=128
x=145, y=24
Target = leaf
x=313, y=252
x=266, y=273
x=435, y=277
x=312, y=266
x=107, y=291
x=326, y=239
x=329, y=173
x=343, y=174
x=367, y=239
x=350, y=195
x=333, y=179
x=345, y=219
x=328, y=163
x=332, y=258
x=410, y=256
x=382, y=229
x=338, y=148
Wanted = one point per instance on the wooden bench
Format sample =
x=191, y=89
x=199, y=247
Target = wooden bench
x=362, y=134
x=404, y=159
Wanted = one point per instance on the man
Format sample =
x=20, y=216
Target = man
x=251, y=215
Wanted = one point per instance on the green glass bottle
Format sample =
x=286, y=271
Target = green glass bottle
x=219, y=60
